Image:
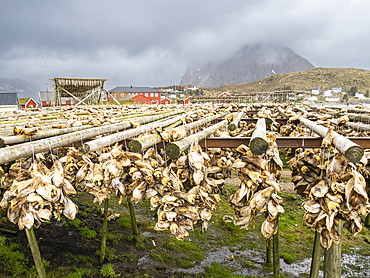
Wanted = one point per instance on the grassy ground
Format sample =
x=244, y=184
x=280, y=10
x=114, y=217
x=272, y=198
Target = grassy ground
x=72, y=248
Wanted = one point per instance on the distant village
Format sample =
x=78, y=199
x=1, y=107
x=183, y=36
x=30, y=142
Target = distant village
x=181, y=95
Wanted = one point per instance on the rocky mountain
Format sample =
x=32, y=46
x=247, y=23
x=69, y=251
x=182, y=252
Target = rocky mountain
x=251, y=63
x=23, y=88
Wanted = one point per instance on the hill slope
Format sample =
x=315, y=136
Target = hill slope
x=251, y=63
x=22, y=87
x=325, y=78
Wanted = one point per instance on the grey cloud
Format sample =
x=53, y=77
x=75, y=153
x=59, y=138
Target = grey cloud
x=153, y=42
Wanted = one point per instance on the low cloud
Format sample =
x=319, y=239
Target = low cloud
x=152, y=43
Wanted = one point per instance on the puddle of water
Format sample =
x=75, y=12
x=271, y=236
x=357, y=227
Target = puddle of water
x=220, y=256
x=353, y=263
x=142, y=260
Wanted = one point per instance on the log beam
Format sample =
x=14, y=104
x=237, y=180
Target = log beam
x=117, y=137
x=234, y=124
x=258, y=143
x=15, y=152
x=350, y=150
x=175, y=149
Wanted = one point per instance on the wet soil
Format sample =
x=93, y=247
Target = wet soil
x=152, y=254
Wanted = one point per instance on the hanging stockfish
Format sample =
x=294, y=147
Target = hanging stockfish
x=257, y=190
x=334, y=188
x=36, y=193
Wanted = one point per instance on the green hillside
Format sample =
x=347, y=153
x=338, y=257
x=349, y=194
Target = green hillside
x=325, y=78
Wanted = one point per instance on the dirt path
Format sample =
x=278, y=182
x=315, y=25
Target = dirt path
x=286, y=181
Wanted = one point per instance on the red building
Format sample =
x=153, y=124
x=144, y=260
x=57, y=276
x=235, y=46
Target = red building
x=121, y=93
x=224, y=94
x=140, y=99
x=47, y=98
x=27, y=102
x=186, y=100
x=165, y=100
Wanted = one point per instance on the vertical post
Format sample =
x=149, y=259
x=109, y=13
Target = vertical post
x=133, y=218
x=35, y=252
x=268, y=251
x=367, y=220
x=105, y=226
x=56, y=92
x=316, y=254
x=332, y=257
x=276, y=265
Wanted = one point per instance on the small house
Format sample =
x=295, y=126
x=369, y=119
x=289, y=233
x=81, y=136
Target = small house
x=165, y=100
x=186, y=100
x=316, y=90
x=359, y=95
x=194, y=88
x=27, y=102
x=337, y=90
x=46, y=98
x=224, y=94
x=8, y=101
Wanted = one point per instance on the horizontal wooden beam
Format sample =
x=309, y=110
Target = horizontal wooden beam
x=283, y=142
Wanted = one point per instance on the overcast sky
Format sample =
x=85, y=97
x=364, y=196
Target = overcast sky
x=151, y=43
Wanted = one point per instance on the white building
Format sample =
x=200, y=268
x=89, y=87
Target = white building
x=8, y=102
x=312, y=98
x=359, y=95
x=194, y=88
x=332, y=99
x=337, y=90
x=327, y=93
x=316, y=90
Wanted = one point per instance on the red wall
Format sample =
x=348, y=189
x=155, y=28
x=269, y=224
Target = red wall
x=28, y=104
x=150, y=96
x=165, y=101
x=139, y=99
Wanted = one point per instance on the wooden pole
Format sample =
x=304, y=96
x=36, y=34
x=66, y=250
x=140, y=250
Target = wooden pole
x=367, y=220
x=144, y=142
x=350, y=110
x=139, y=144
x=357, y=126
x=234, y=124
x=175, y=149
x=45, y=145
x=332, y=259
x=133, y=218
x=268, y=251
x=316, y=254
x=276, y=258
x=258, y=143
x=105, y=226
x=11, y=140
x=350, y=150
x=35, y=252
x=116, y=137
x=281, y=111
